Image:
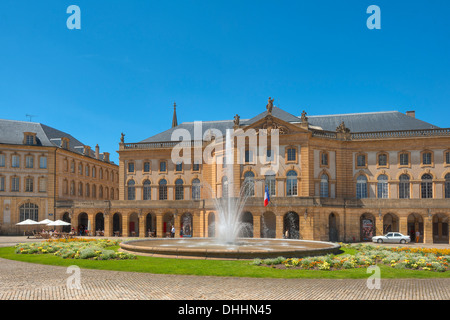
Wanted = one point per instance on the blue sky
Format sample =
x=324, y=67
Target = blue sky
x=132, y=59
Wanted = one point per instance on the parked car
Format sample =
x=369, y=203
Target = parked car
x=392, y=237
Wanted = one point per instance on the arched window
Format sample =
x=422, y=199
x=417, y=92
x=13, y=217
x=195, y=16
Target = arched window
x=225, y=187
x=324, y=186
x=382, y=187
x=249, y=183
x=291, y=183
x=361, y=187
x=131, y=190
x=163, y=189
x=447, y=185
x=147, y=194
x=427, y=186
x=404, y=187
x=29, y=211
x=196, y=189
x=179, y=190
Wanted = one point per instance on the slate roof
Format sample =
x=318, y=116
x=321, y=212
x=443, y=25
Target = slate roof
x=356, y=122
x=165, y=136
x=11, y=132
x=371, y=121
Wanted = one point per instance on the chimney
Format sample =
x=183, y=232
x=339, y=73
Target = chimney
x=412, y=114
x=97, y=152
x=106, y=156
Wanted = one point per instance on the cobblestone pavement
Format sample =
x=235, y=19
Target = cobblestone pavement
x=26, y=281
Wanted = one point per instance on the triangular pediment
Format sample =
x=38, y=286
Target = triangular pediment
x=270, y=122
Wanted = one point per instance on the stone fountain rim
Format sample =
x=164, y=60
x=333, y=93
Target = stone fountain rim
x=203, y=253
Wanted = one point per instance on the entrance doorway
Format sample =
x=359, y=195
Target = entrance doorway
x=333, y=229
x=367, y=227
x=291, y=225
x=415, y=223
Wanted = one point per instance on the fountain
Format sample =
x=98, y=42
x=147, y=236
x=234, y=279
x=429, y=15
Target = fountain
x=228, y=244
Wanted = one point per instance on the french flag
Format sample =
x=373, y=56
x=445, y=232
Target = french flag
x=266, y=197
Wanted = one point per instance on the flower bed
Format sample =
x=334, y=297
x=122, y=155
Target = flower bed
x=75, y=249
x=367, y=255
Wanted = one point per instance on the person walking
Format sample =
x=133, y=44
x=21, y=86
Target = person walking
x=417, y=236
x=172, y=232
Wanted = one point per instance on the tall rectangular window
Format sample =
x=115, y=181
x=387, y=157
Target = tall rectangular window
x=29, y=139
x=404, y=159
x=2, y=160
x=361, y=160
x=162, y=166
x=248, y=156
x=382, y=160
x=271, y=184
x=43, y=185
x=179, y=166
x=291, y=154
x=29, y=185
x=15, y=184
x=426, y=158
x=2, y=183
x=146, y=166
x=131, y=167
x=29, y=161
x=15, y=161
x=269, y=155
x=43, y=162
x=447, y=158
x=404, y=187
x=324, y=159
x=196, y=166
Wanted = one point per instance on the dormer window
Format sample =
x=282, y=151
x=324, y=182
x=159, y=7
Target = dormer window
x=65, y=143
x=29, y=138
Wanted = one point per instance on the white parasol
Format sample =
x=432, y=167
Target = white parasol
x=59, y=223
x=27, y=222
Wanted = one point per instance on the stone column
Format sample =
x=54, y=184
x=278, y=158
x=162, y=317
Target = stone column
x=159, y=225
x=74, y=221
x=257, y=225
x=197, y=224
x=108, y=225
x=125, y=224
x=378, y=225
x=279, y=227
x=176, y=221
x=142, y=231
x=403, y=225
x=91, y=222
x=427, y=230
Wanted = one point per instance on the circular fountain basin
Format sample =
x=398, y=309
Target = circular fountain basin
x=245, y=248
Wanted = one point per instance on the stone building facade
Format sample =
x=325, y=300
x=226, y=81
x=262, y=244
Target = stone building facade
x=41, y=166
x=335, y=178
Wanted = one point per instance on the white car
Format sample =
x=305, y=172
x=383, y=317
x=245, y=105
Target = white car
x=392, y=237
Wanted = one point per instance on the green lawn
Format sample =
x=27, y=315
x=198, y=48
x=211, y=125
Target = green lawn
x=229, y=268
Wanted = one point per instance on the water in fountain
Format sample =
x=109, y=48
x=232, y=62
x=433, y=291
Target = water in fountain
x=230, y=208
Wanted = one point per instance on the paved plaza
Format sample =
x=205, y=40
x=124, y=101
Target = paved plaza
x=26, y=281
